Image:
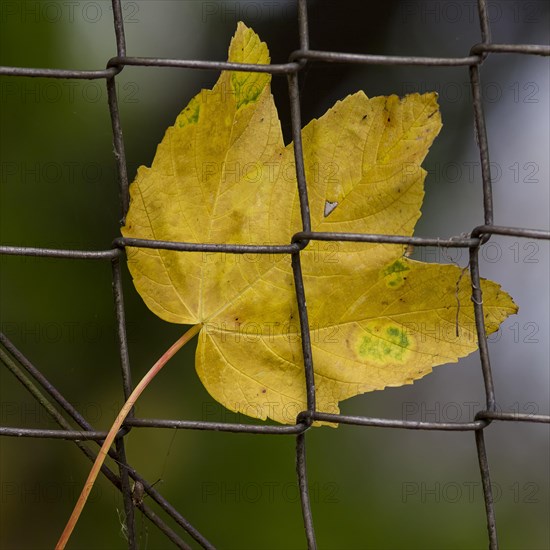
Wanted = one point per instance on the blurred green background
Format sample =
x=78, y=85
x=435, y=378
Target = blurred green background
x=371, y=488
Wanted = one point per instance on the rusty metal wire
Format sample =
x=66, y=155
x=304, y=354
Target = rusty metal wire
x=54, y=402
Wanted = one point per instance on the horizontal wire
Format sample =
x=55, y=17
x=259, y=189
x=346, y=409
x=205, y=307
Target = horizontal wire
x=206, y=247
x=370, y=59
x=58, y=73
x=294, y=429
x=513, y=417
x=391, y=423
x=121, y=242
x=276, y=68
x=527, y=49
x=115, y=64
x=60, y=253
x=52, y=434
x=215, y=426
x=453, y=242
x=511, y=231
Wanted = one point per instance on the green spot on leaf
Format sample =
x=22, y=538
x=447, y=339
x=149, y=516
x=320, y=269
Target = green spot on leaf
x=190, y=115
x=245, y=91
x=384, y=344
x=395, y=274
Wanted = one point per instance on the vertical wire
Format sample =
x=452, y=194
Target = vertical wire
x=303, y=25
x=126, y=494
x=483, y=145
x=296, y=120
x=477, y=299
x=122, y=338
x=118, y=21
x=301, y=470
x=118, y=142
x=479, y=117
x=305, y=334
x=483, y=13
x=119, y=151
x=487, y=489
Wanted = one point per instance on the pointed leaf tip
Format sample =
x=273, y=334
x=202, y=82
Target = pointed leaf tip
x=246, y=47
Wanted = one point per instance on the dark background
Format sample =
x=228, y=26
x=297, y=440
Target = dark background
x=371, y=488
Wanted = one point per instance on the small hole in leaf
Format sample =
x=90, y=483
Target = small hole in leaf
x=329, y=207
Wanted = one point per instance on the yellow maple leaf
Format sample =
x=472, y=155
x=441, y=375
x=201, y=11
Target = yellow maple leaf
x=222, y=174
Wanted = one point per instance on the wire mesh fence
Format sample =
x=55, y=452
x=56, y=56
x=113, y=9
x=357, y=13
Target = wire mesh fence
x=58, y=406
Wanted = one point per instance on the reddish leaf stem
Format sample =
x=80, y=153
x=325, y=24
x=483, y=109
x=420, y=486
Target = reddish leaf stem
x=114, y=430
